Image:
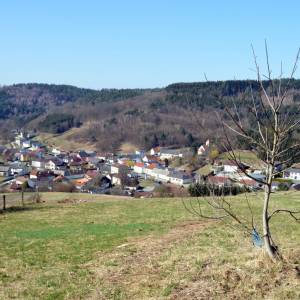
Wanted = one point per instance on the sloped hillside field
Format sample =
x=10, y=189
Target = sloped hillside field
x=74, y=246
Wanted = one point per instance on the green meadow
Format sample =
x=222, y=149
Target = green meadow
x=79, y=246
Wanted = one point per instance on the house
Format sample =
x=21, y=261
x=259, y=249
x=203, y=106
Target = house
x=26, y=144
x=149, y=159
x=160, y=174
x=36, y=146
x=114, y=169
x=56, y=151
x=38, y=163
x=139, y=168
x=180, y=178
x=155, y=151
x=248, y=182
x=257, y=176
x=219, y=181
x=201, y=150
x=104, y=169
x=18, y=168
x=50, y=165
x=61, y=171
x=170, y=153
x=64, y=157
x=149, y=169
x=292, y=173
x=116, y=179
x=5, y=171
x=140, y=153
x=231, y=166
x=53, y=163
x=27, y=156
x=93, y=161
x=77, y=164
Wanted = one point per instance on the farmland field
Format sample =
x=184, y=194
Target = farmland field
x=79, y=246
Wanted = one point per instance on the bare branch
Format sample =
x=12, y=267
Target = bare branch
x=292, y=213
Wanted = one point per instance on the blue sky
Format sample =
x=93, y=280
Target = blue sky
x=127, y=44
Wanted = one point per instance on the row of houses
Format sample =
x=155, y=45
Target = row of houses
x=163, y=174
x=30, y=161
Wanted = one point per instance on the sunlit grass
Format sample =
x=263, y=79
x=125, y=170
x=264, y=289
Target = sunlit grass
x=61, y=249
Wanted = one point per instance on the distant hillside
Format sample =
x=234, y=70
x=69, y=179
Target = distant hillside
x=180, y=114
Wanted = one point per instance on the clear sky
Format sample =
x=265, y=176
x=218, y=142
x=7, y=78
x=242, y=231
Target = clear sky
x=142, y=43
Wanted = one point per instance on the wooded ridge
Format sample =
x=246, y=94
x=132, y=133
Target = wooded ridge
x=181, y=114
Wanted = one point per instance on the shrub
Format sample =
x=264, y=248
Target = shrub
x=201, y=190
x=283, y=186
x=64, y=187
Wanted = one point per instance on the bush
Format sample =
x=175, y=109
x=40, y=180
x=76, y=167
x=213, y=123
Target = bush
x=201, y=190
x=64, y=187
x=283, y=186
x=164, y=191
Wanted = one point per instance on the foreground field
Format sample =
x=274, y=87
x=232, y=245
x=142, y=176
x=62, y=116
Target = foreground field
x=75, y=246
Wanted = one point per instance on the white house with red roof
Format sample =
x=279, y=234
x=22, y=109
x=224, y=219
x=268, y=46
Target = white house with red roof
x=139, y=167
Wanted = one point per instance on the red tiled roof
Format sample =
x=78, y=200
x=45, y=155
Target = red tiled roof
x=248, y=181
x=218, y=179
x=151, y=166
x=139, y=164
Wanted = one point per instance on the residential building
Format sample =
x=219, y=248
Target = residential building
x=180, y=178
x=292, y=173
x=139, y=168
x=170, y=153
x=5, y=171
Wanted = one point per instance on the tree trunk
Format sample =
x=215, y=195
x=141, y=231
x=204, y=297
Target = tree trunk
x=270, y=248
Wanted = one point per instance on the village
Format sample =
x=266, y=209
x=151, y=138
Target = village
x=29, y=165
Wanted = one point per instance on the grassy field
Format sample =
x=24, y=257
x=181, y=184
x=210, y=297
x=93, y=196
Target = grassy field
x=79, y=246
x=246, y=156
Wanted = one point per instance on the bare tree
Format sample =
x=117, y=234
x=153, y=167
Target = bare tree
x=271, y=133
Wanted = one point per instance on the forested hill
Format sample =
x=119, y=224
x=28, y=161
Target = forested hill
x=180, y=114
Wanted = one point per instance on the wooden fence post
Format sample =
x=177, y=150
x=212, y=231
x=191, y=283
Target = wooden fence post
x=4, y=203
x=23, y=204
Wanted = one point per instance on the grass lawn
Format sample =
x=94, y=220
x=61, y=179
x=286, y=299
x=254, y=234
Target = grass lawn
x=79, y=246
x=147, y=182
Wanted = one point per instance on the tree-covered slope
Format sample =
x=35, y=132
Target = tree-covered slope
x=180, y=114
